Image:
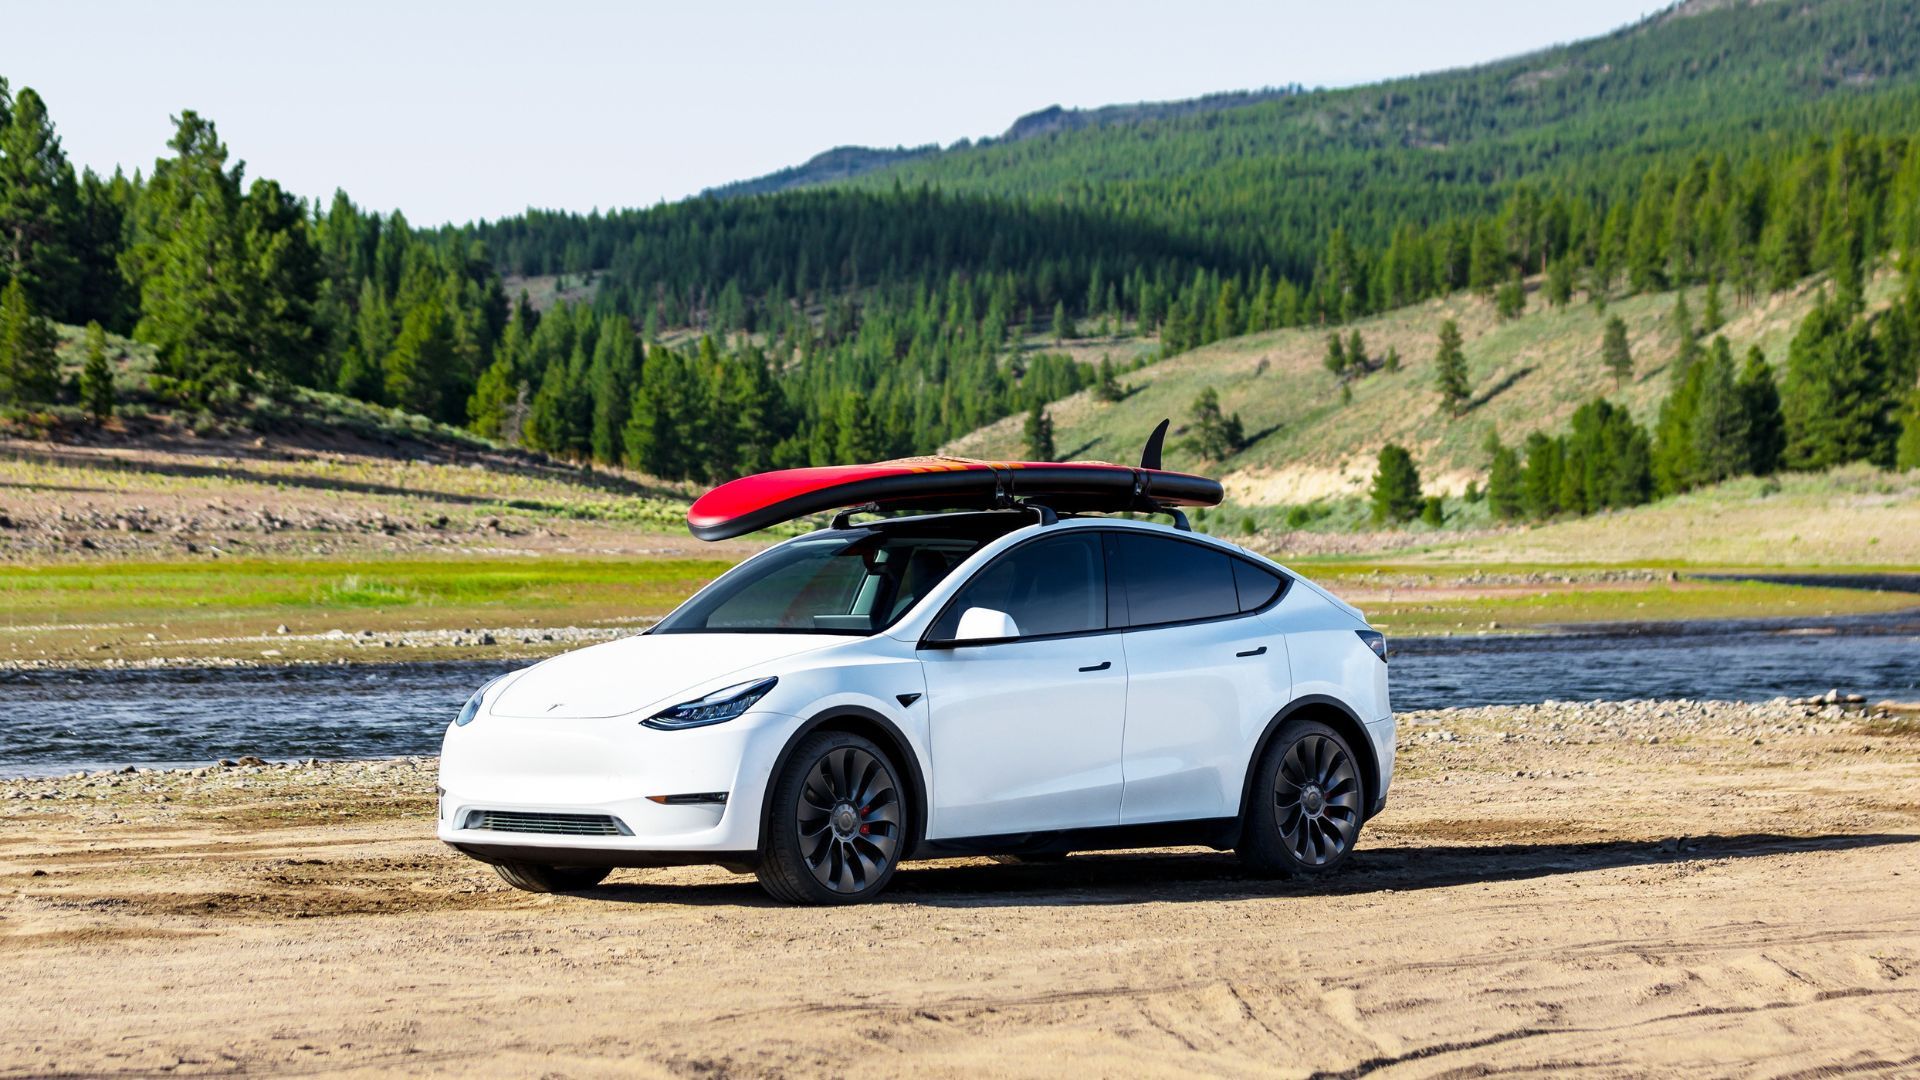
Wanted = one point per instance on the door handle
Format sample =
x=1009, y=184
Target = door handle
x=1101, y=666
x=1261, y=651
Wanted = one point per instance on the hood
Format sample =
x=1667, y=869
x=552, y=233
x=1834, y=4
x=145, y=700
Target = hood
x=630, y=674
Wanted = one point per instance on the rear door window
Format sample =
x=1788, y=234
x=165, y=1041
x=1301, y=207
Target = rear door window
x=1171, y=581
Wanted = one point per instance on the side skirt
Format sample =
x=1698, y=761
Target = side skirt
x=1217, y=833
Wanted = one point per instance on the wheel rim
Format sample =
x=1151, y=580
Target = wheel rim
x=848, y=819
x=1316, y=800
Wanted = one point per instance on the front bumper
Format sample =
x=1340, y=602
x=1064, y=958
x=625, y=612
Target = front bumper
x=608, y=768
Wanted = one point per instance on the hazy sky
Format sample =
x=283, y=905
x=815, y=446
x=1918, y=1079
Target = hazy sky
x=480, y=109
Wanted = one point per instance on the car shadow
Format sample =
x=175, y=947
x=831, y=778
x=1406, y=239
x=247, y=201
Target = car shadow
x=1163, y=877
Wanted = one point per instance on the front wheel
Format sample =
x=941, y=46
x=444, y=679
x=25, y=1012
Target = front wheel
x=1305, y=810
x=838, y=822
x=534, y=877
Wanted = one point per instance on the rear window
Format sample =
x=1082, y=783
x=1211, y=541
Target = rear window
x=1171, y=581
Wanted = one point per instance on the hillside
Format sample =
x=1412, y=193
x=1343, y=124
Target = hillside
x=848, y=162
x=1527, y=374
x=1279, y=174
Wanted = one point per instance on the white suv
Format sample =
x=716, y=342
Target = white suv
x=956, y=684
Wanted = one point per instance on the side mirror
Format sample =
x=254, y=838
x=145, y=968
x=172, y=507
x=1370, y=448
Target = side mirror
x=985, y=624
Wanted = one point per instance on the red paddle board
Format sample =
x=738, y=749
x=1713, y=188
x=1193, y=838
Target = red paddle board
x=766, y=499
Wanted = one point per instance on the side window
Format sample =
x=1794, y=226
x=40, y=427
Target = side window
x=1173, y=581
x=1052, y=586
x=1257, y=585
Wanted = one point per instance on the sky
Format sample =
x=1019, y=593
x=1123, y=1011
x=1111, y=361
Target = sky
x=453, y=112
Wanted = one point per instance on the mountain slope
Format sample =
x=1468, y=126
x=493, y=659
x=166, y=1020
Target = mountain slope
x=1277, y=175
x=1527, y=374
x=848, y=162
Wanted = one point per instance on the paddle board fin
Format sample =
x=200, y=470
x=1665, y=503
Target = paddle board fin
x=1150, y=457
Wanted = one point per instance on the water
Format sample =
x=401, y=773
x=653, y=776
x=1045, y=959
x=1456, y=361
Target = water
x=60, y=721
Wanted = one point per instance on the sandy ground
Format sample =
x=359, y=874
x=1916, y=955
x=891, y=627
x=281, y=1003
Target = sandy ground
x=1602, y=890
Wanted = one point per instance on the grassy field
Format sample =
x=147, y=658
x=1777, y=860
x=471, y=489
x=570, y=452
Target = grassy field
x=413, y=608
x=233, y=610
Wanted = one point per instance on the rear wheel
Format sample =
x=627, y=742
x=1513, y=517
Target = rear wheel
x=838, y=822
x=1305, y=811
x=534, y=877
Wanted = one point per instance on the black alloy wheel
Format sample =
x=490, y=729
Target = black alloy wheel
x=1307, y=804
x=838, y=823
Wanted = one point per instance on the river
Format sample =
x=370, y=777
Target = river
x=59, y=721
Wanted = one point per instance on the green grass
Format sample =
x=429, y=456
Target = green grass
x=1436, y=613
x=88, y=612
x=75, y=613
x=270, y=587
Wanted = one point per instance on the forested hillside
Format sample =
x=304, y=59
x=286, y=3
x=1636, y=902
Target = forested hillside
x=1747, y=149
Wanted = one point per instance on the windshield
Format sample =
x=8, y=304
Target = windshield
x=857, y=583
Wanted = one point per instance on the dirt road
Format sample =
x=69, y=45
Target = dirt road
x=1607, y=890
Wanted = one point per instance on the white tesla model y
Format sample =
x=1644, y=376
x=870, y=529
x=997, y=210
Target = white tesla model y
x=1006, y=682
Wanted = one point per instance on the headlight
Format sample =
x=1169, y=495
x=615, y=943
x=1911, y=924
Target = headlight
x=721, y=705
x=472, y=708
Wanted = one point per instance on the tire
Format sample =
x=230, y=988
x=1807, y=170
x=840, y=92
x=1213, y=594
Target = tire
x=1307, y=804
x=838, y=822
x=534, y=877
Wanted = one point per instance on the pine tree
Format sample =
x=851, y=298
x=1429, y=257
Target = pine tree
x=492, y=401
x=1560, y=281
x=38, y=206
x=1487, y=264
x=412, y=373
x=1712, y=318
x=1720, y=435
x=191, y=266
x=1504, y=497
x=1391, y=362
x=1615, y=354
x=859, y=436
x=1395, y=494
x=1686, y=338
x=1907, y=449
x=663, y=436
x=1760, y=409
x=1356, y=353
x=1510, y=300
x=1540, y=480
x=611, y=379
x=1062, y=323
x=282, y=277
x=1335, y=360
x=1212, y=434
x=1039, y=434
x=1107, y=384
x=96, y=376
x=1674, y=462
x=29, y=366
x=1450, y=370
x=1833, y=397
